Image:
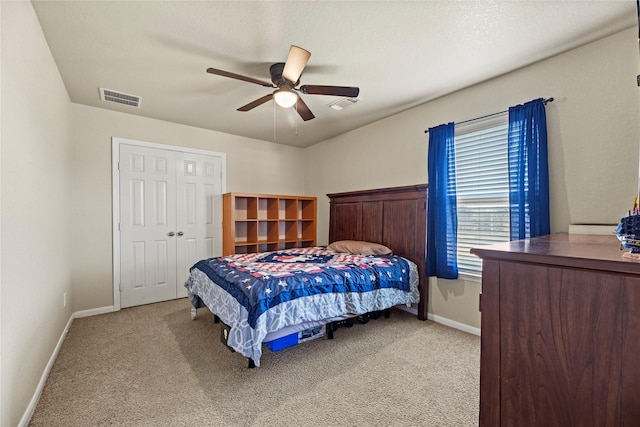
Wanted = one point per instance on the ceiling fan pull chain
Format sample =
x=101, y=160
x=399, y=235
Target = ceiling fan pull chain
x=274, y=122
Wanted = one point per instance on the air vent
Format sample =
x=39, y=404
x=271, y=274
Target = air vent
x=119, y=97
x=343, y=103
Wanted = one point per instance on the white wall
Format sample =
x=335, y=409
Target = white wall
x=35, y=200
x=252, y=166
x=593, y=145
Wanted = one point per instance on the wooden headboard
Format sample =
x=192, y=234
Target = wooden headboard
x=395, y=217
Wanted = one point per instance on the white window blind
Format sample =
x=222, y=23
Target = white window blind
x=482, y=181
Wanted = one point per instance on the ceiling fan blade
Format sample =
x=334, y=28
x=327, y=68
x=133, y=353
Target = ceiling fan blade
x=347, y=91
x=257, y=102
x=238, y=77
x=296, y=61
x=303, y=110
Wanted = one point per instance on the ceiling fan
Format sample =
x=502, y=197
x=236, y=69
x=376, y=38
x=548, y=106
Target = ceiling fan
x=285, y=77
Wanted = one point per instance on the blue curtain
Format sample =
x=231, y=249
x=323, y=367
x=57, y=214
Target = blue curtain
x=442, y=218
x=528, y=170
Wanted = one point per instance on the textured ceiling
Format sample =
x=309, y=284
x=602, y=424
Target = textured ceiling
x=401, y=54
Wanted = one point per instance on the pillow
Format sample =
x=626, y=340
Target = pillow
x=359, y=248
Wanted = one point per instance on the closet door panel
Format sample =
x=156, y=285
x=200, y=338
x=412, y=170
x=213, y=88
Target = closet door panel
x=147, y=217
x=199, y=211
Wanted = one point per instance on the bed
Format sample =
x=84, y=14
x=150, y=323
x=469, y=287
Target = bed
x=299, y=292
x=262, y=297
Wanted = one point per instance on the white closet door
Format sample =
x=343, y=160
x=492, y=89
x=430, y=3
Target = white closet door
x=170, y=216
x=147, y=225
x=198, y=185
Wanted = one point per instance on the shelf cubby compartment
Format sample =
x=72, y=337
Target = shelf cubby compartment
x=267, y=208
x=245, y=208
x=290, y=245
x=246, y=231
x=306, y=243
x=245, y=249
x=288, y=208
x=288, y=230
x=267, y=247
x=268, y=231
x=307, y=209
x=307, y=230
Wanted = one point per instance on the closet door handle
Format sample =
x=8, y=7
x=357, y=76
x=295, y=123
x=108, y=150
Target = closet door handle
x=171, y=234
x=180, y=233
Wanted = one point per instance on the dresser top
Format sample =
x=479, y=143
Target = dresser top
x=571, y=250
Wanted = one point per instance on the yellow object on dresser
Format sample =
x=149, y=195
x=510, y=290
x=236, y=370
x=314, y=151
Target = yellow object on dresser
x=267, y=222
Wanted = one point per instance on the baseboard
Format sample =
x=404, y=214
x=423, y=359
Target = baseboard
x=28, y=413
x=443, y=320
x=94, y=311
x=26, y=417
x=452, y=323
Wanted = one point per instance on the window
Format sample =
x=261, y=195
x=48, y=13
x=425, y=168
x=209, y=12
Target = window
x=482, y=180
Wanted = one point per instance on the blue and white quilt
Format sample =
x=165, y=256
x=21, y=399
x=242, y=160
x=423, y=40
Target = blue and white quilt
x=258, y=293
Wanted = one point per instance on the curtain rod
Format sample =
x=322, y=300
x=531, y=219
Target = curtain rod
x=544, y=101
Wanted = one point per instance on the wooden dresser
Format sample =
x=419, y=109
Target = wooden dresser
x=560, y=341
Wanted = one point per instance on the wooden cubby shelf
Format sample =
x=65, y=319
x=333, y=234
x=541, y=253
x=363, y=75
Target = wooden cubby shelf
x=267, y=222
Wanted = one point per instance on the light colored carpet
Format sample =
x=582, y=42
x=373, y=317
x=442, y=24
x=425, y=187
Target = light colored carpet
x=153, y=366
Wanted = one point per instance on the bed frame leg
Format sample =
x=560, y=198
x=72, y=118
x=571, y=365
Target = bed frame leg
x=251, y=363
x=387, y=313
x=194, y=313
x=329, y=328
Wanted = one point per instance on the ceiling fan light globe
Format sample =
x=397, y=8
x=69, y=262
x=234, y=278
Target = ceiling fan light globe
x=285, y=98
